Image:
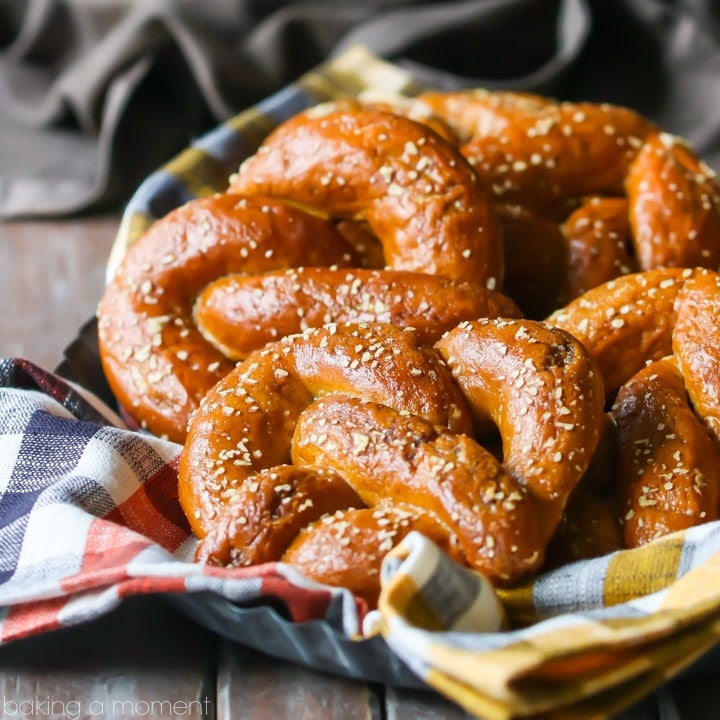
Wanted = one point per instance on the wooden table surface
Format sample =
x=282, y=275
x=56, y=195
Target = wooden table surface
x=145, y=659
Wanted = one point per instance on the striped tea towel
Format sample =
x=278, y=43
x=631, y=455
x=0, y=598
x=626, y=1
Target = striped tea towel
x=89, y=514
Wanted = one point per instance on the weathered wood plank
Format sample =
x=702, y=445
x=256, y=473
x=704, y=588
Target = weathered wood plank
x=51, y=278
x=401, y=704
x=142, y=660
x=253, y=686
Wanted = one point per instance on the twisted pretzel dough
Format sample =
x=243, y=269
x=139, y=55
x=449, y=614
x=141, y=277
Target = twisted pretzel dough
x=157, y=363
x=497, y=516
x=630, y=320
x=536, y=260
x=325, y=448
x=666, y=413
x=536, y=153
x=346, y=548
x=416, y=192
x=240, y=313
x=245, y=423
x=674, y=206
x=668, y=465
x=598, y=240
x=545, y=156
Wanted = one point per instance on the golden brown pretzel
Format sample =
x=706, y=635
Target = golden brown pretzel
x=245, y=423
x=240, y=313
x=416, y=192
x=695, y=346
x=598, y=240
x=537, y=153
x=346, y=548
x=480, y=112
x=157, y=363
x=536, y=260
x=674, y=206
x=630, y=320
x=534, y=382
x=409, y=107
x=668, y=466
x=541, y=154
x=264, y=514
x=538, y=385
x=590, y=527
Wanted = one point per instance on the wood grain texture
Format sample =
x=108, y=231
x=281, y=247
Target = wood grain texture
x=142, y=660
x=254, y=686
x=51, y=278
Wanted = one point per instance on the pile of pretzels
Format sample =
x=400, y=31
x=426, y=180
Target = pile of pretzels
x=490, y=317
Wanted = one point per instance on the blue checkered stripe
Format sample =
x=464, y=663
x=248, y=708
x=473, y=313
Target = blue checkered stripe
x=55, y=452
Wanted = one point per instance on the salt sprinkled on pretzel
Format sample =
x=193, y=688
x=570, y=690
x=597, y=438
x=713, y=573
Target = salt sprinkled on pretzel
x=245, y=423
x=238, y=313
x=156, y=361
x=417, y=193
x=654, y=338
x=534, y=382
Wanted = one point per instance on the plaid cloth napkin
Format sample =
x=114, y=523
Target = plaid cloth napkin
x=89, y=514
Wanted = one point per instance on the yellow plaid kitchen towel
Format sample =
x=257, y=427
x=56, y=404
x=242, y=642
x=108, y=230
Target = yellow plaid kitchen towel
x=583, y=641
x=591, y=637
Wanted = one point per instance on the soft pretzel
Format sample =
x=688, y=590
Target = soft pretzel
x=264, y=514
x=533, y=381
x=539, y=387
x=239, y=313
x=695, y=346
x=545, y=155
x=590, y=526
x=480, y=112
x=668, y=466
x=325, y=448
x=157, y=363
x=598, y=240
x=666, y=412
x=537, y=153
x=245, y=423
x=536, y=260
x=346, y=548
x=417, y=193
x=674, y=206
x=630, y=320
x=409, y=107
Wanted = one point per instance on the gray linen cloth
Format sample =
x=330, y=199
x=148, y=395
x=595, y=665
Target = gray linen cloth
x=95, y=94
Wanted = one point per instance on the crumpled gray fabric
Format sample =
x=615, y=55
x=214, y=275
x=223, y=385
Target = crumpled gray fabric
x=95, y=95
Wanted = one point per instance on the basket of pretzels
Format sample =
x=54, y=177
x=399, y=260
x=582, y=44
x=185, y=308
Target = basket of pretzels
x=483, y=315
x=486, y=317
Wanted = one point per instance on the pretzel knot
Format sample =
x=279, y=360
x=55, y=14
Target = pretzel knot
x=660, y=203
x=395, y=420
x=221, y=276
x=653, y=336
x=415, y=190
